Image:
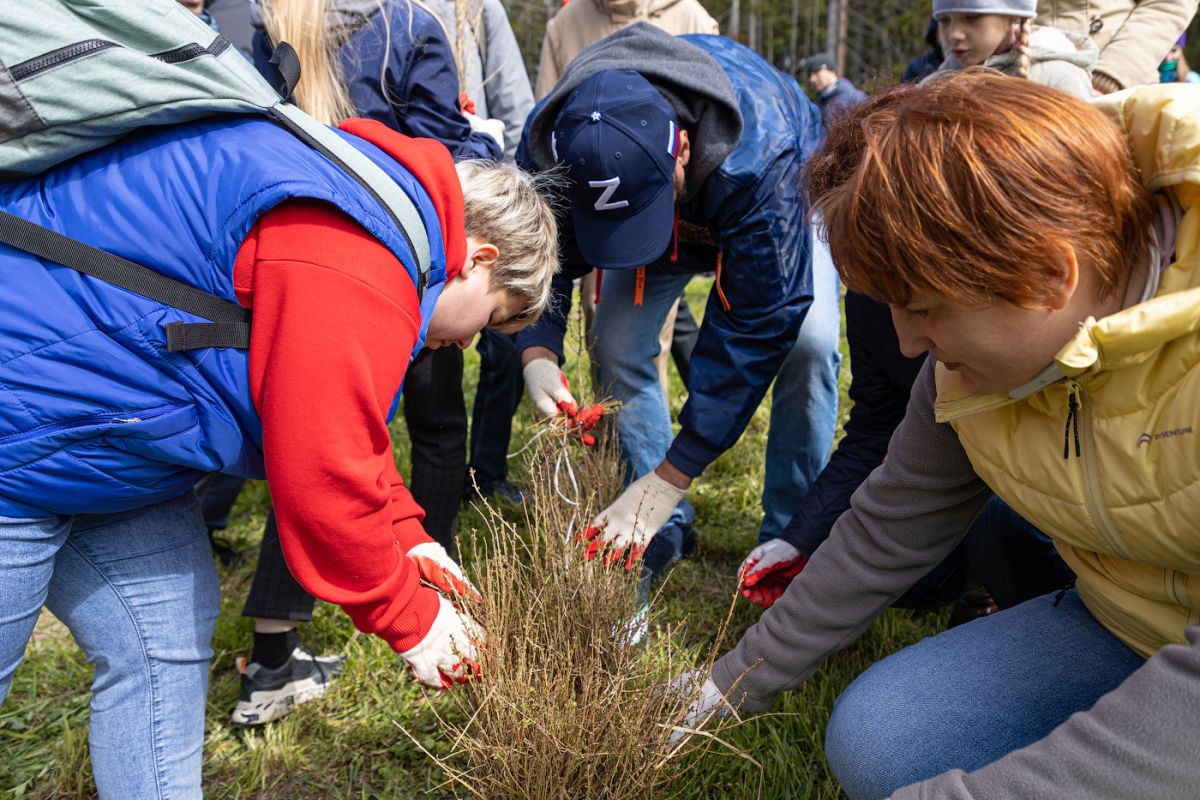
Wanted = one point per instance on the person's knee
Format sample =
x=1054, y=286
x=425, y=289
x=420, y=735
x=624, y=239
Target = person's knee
x=817, y=342
x=621, y=358
x=870, y=742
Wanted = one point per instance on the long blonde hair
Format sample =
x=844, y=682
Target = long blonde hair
x=304, y=25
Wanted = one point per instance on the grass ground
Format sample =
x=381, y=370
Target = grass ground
x=349, y=744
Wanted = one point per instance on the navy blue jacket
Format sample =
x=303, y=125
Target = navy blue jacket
x=751, y=212
x=837, y=100
x=421, y=79
x=882, y=380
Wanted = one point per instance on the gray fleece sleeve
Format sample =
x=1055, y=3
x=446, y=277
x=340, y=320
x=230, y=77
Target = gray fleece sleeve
x=904, y=519
x=1139, y=740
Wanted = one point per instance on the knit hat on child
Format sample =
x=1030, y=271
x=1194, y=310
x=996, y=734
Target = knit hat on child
x=1008, y=8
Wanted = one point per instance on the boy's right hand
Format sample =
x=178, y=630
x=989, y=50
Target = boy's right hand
x=448, y=652
x=548, y=387
x=440, y=571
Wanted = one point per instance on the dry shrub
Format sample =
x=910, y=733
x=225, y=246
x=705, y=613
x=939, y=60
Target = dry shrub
x=568, y=707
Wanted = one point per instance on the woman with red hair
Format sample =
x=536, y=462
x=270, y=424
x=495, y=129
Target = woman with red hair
x=1045, y=253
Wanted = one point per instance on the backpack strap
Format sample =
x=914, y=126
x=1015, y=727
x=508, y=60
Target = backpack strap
x=385, y=191
x=230, y=323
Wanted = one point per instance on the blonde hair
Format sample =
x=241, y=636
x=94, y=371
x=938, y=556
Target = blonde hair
x=1024, y=61
x=507, y=207
x=303, y=24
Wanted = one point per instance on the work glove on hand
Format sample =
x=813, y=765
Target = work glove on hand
x=447, y=653
x=632, y=520
x=440, y=571
x=548, y=388
x=492, y=127
x=702, y=704
x=767, y=571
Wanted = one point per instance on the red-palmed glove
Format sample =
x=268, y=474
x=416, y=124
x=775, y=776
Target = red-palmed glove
x=447, y=654
x=767, y=571
x=626, y=526
x=440, y=571
x=548, y=388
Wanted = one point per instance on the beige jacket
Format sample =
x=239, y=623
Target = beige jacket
x=582, y=22
x=1133, y=35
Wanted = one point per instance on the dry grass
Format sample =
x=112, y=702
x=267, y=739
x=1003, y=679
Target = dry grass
x=570, y=706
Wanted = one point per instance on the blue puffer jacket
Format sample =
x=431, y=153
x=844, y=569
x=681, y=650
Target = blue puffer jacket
x=95, y=415
x=749, y=209
x=421, y=79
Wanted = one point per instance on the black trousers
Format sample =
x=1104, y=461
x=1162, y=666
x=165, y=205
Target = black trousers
x=436, y=414
x=496, y=400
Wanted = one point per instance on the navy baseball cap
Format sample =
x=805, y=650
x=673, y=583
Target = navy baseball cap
x=618, y=139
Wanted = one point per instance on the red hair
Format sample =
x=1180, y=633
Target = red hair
x=970, y=185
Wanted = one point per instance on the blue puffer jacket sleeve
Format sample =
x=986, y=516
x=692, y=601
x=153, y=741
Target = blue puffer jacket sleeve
x=418, y=95
x=882, y=382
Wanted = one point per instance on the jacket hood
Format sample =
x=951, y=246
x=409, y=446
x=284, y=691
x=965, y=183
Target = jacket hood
x=1161, y=125
x=691, y=81
x=623, y=12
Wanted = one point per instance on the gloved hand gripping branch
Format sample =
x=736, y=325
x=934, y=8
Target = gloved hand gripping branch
x=626, y=526
x=447, y=654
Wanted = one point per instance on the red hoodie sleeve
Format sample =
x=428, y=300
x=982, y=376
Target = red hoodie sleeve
x=335, y=319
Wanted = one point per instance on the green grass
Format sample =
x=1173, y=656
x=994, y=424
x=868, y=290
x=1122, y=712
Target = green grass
x=349, y=744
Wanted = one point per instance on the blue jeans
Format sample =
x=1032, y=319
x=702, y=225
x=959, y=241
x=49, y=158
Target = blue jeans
x=966, y=697
x=138, y=591
x=624, y=341
x=804, y=402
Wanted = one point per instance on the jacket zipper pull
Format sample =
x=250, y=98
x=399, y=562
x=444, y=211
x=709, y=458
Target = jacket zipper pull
x=1072, y=422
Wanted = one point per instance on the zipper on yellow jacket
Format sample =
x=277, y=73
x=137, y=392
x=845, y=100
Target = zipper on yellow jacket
x=1079, y=413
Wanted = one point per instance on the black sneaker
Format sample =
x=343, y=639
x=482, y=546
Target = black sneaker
x=269, y=694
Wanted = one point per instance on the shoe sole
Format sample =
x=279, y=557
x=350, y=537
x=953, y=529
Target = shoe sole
x=263, y=707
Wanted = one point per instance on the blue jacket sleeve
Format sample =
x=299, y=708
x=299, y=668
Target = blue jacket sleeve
x=880, y=387
x=425, y=89
x=766, y=279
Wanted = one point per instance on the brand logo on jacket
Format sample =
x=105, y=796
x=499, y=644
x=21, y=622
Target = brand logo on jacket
x=1147, y=439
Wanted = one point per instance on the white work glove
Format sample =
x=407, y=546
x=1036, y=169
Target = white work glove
x=438, y=570
x=702, y=704
x=447, y=654
x=548, y=388
x=632, y=520
x=765, y=574
x=492, y=127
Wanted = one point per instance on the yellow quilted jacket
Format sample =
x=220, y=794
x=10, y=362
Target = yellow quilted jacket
x=1125, y=511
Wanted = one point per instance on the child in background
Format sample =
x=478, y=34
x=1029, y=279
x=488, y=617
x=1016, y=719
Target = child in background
x=1000, y=34
x=1174, y=68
